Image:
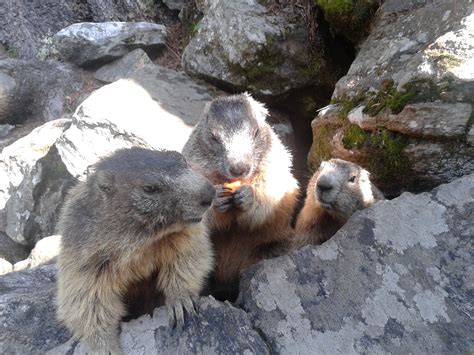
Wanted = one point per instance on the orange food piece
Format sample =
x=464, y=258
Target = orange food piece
x=233, y=185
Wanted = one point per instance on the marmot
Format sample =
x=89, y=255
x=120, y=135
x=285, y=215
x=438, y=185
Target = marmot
x=138, y=213
x=335, y=191
x=241, y=155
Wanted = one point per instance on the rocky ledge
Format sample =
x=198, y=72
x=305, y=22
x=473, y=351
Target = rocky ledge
x=396, y=278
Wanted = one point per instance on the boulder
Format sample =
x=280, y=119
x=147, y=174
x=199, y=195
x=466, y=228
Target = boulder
x=45, y=251
x=40, y=91
x=247, y=45
x=157, y=110
x=397, y=278
x=5, y=266
x=88, y=43
x=27, y=312
x=26, y=27
x=405, y=108
x=218, y=328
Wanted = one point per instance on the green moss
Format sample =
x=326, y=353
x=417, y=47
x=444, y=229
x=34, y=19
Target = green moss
x=13, y=52
x=354, y=137
x=384, y=152
x=388, y=98
x=335, y=7
x=447, y=60
x=321, y=148
x=346, y=104
x=260, y=73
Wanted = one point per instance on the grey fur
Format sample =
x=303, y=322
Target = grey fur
x=138, y=212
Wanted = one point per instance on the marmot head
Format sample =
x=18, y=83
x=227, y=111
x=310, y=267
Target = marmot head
x=152, y=190
x=233, y=138
x=341, y=188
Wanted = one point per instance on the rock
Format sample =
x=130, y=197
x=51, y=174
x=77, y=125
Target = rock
x=157, y=108
x=242, y=44
x=408, y=97
x=44, y=252
x=175, y=4
x=11, y=251
x=396, y=278
x=5, y=266
x=218, y=328
x=26, y=27
x=88, y=43
x=349, y=19
x=32, y=90
x=33, y=182
x=27, y=312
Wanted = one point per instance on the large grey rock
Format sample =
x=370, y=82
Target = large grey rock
x=157, y=110
x=32, y=90
x=413, y=80
x=88, y=43
x=26, y=27
x=397, y=278
x=44, y=252
x=218, y=328
x=243, y=44
x=10, y=250
x=33, y=182
x=27, y=312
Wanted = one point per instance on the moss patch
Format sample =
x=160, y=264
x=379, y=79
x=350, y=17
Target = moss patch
x=321, y=148
x=346, y=104
x=383, y=152
x=388, y=98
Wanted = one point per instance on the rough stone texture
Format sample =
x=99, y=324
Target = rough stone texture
x=88, y=43
x=242, y=44
x=27, y=312
x=44, y=252
x=37, y=90
x=350, y=19
x=11, y=251
x=26, y=27
x=175, y=4
x=156, y=109
x=219, y=328
x=413, y=80
x=396, y=279
x=32, y=183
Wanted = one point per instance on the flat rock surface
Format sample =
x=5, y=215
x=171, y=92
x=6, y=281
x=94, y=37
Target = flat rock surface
x=396, y=279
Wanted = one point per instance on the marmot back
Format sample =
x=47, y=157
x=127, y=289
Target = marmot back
x=138, y=214
x=336, y=190
x=238, y=151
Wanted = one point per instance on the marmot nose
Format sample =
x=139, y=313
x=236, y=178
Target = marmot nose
x=324, y=186
x=239, y=169
x=207, y=195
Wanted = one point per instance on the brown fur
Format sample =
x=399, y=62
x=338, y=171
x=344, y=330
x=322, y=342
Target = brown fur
x=316, y=224
x=100, y=271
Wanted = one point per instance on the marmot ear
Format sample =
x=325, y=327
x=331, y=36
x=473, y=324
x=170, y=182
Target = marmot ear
x=106, y=181
x=259, y=110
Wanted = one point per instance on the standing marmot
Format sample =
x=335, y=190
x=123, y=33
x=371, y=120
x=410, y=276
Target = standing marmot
x=232, y=143
x=335, y=192
x=137, y=214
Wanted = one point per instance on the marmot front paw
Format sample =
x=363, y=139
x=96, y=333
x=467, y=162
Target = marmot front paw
x=244, y=197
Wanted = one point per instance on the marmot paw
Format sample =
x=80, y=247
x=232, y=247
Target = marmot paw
x=223, y=199
x=177, y=309
x=244, y=197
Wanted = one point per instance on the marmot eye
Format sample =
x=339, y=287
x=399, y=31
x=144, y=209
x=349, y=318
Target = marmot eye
x=352, y=179
x=151, y=189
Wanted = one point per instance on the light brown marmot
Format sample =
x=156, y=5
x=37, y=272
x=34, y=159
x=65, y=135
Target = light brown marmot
x=336, y=190
x=232, y=143
x=138, y=214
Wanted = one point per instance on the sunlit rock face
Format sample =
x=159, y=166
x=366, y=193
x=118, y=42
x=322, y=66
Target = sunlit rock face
x=405, y=110
x=89, y=43
x=37, y=170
